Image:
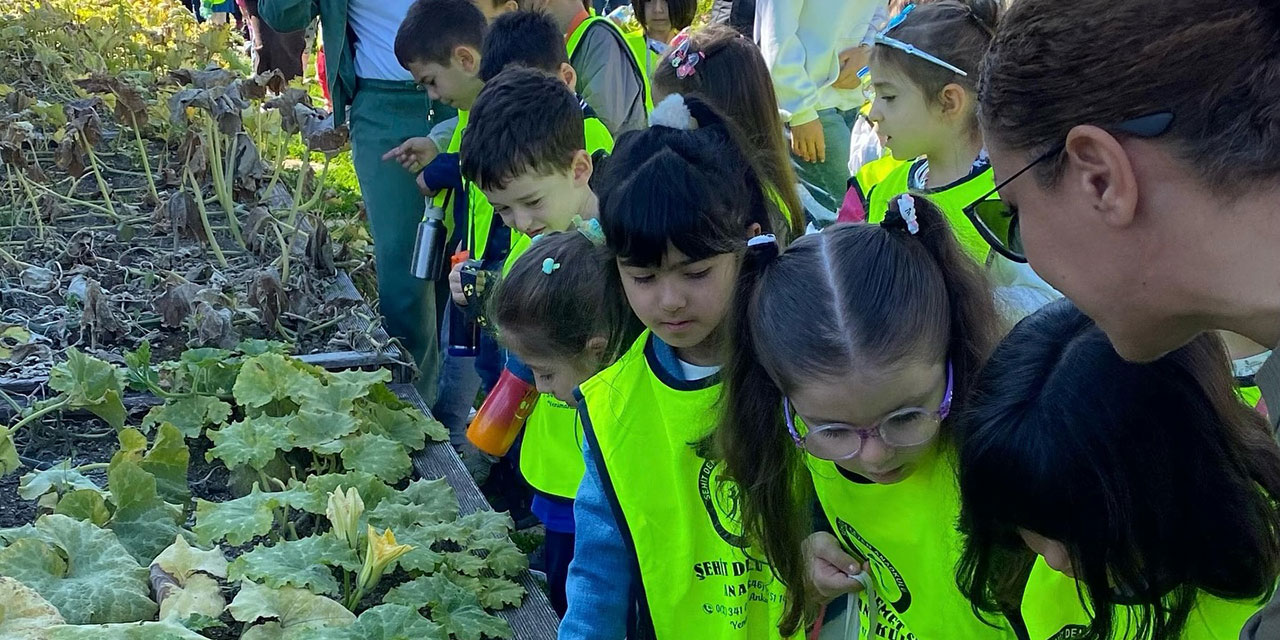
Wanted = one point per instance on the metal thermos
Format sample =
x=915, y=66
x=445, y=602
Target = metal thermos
x=428, y=253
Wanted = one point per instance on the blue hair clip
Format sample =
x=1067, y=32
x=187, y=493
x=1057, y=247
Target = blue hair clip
x=549, y=265
x=590, y=229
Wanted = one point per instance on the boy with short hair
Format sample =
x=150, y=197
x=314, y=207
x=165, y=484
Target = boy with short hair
x=526, y=150
x=609, y=78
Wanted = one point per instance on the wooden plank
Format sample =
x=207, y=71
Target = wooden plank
x=534, y=619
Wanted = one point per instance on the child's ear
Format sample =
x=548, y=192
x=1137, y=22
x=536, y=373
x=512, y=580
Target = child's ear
x=754, y=230
x=595, y=348
x=468, y=59
x=569, y=75
x=582, y=168
x=955, y=101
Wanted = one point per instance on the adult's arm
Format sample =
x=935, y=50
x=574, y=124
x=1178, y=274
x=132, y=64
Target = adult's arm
x=288, y=15
x=777, y=27
x=601, y=573
x=608, y=82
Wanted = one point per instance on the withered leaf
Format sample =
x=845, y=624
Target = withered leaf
x=211, y=76
x=319, y=248
x=69, y=156
x=214, y=327
x=99, y=317
x=184, y=217
x=176, y=304
x=82, y=118
x=268, y=294
x=318, y=130
x=79, y=248
x=285, y=103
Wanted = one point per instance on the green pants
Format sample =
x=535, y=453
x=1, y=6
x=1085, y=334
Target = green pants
x=383, y=114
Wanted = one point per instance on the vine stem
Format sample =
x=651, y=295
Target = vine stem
x=218, y=175
x=35, y=204
x=97, y=174
x=37, y=414
x=204, y=220
x=146, y=162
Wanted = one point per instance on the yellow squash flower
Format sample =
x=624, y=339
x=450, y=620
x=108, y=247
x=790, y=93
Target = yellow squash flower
x=344, y=511
x=380, y=552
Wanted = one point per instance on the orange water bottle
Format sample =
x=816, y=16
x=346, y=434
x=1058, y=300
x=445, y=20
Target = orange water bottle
x=502, y=416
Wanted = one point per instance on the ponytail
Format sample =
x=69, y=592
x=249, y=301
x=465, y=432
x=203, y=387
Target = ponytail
x=886, y=293
x=759, y=456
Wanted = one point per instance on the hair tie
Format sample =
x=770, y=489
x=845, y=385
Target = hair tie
x=906, y=215
x=766, y=244
x=590, y=229
x=673, y=113
x=549, y=265
x=683, y=60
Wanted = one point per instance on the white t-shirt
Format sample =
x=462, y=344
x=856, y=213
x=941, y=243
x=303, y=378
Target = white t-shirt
x=375, y=23
x=697, y=372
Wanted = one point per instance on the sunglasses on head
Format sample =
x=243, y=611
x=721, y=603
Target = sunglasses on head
x=997, y=222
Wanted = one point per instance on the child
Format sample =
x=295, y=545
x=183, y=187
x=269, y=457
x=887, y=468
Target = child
x=728, y=72
x=539, y=314
x=658, y=549
x=1142, y=496
x=861, y=400
x=526, y=151
x=610, y=78
x=494, y=8
x=660, y=21
x=924, y=72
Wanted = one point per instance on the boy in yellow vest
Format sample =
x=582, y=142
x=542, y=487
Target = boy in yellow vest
x=610, y=78
x=527, y=150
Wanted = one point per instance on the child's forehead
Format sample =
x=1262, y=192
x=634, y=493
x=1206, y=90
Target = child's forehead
x=531, y=181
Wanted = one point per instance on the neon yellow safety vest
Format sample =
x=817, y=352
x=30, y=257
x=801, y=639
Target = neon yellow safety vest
x=907, y=531
x=637, y=61
x=551, y=456
x=1251, y=396
x=1052, y=610
x=677, y=509
x=874, y=172
x=648, y=60
x=952, y=199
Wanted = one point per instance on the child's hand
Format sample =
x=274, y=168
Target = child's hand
x=852, y=60
x=808, y=142
x=831, y=571
x=413, y=154
x=455, y=285
x=422, y=186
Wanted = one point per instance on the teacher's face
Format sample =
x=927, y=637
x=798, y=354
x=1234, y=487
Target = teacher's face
x=1085, y=236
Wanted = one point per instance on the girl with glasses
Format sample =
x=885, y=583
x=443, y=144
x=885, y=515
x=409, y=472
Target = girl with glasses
x=854, y=411
x=924, y=71
x=1141, y=496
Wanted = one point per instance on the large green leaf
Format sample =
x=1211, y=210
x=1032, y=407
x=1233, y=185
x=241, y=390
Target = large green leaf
x=313, y=427
x=82, y=570
x=422, y=502
x=252, y=441
x=406, y=426
x=452, y=607
x=503, y=557
x=168, y=460
x=465, y=562
x=386, y=622
x=207, y=371
x=24, y=614
x=355, y=383
x=372, y=490
x=293, y=612
x=306, y=563
x=269, y=377
x=141, y=375
x=143, y=521
x=61, y=478
x=163, y=630
x=91, y=384
x=487, y=524
x=494, y=593
x=181, y=560
x=190, y=414
x=240, y=520
x=85, y=504
x=198, y=596
x=421, y=558
x=378, y=455
x=9, y=461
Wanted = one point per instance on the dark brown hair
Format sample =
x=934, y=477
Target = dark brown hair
x=853, y=295
x=555, y=314
x=957, y=32
x=734, y=79
x=432, y=29
x=682, y=12
x=1128, y=465
x=523, y=120
x=1214, y=65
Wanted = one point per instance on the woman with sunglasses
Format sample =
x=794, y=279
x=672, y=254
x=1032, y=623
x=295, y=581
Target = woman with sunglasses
x=923, y=71
x=855, y=410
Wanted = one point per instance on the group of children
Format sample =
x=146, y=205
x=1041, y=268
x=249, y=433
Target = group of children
x=739, y=422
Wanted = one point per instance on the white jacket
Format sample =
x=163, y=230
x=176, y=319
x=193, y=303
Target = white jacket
x=801, y=41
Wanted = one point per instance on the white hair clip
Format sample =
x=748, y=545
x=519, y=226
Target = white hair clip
x=907, y=208
x=672, y=112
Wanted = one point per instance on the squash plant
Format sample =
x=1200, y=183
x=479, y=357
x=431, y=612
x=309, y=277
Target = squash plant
x=332, y=541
